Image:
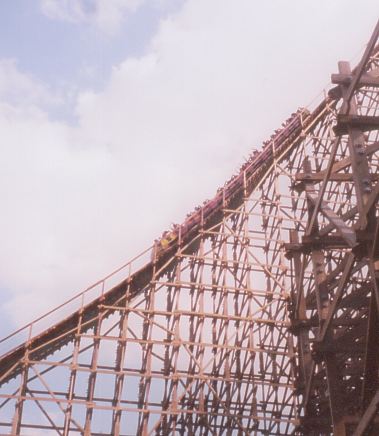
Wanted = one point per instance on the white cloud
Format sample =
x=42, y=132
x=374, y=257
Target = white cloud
x=20, y=89
x=106, y=15
x=167, y=129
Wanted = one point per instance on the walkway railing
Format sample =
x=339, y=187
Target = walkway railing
x=74, y=303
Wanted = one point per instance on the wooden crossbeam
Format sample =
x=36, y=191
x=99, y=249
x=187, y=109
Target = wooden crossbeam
x=367, y=416
x=363, y=122
x=343, y=229
x=337, y=296
x=367, y=79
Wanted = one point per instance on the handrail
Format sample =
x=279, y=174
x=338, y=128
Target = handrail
x=77, y=296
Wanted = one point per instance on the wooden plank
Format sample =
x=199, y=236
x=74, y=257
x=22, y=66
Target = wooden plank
x=347, y=233
x=360, y=69
x=367, y=416
x=337, y=296
x=362, y=122
x=345, y=79
x=370, y=375
x=334, y=177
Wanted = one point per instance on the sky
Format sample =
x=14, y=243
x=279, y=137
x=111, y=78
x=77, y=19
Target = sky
x=118, y=117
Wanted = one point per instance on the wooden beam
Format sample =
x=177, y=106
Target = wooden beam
x=347, y=233
x=337, y=296
x=367, y=416
x=305, y=358
x=362, y=122
x=370, y=375
x=345, y=79
x=360, y=69
x=334, y=177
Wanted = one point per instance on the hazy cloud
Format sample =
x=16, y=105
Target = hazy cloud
x=106, y=15
x=20, y=89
